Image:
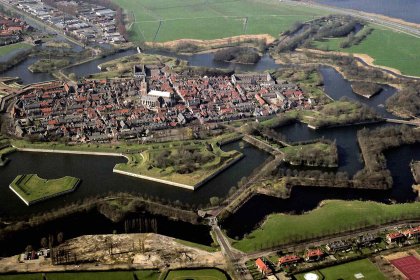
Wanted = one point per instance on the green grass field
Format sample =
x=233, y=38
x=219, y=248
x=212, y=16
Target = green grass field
x=114, y=275
x=334, y=216
x=387, y=48
x=13, y=47
x=347, y=271
x=200, y=274
x=33, y=188
x=161, y=20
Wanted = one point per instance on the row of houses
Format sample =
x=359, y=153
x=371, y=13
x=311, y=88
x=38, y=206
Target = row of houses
x=106, y=110
x=90, y=23
x=318, y=254
x=12, y=29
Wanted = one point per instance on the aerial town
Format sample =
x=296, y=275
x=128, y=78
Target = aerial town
x=90, y=23
x=11, y=30
x=209, y=140
x=157, y=98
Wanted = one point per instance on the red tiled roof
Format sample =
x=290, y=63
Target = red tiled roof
x=259, y=262
x=288, y=258
x=313, y=253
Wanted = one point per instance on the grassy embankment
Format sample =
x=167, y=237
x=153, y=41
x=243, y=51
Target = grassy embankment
x=13, y=47
x=397, y=50
x=123, y=67
x=48, y=65
x=348, y=270
x=198, y=274
x=333, y=216
x=32, y=188
x=160, y=20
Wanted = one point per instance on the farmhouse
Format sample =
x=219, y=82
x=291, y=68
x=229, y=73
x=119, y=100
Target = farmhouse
x=412, y=233
x=262, y=267
x=288, y=260
x=395, y=237
x=314, y=255
x=338, y=246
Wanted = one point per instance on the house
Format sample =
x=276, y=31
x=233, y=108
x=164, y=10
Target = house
x=366, y=240
x=314, y=255
x=288, y=260
x=412, y=233
x=395, y=237
x=338, y=246
x=262, y=267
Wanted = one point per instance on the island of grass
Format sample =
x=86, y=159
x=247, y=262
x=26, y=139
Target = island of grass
x=339, y=113
x=331, y=217
x=32, y=189
x=365, y=89
x=322, y=153
x=187, y=165
x=47, y=65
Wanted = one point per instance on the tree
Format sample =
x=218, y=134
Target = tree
x=60, y=237
x=214, y=200
x=29, y=248
x=44, y=242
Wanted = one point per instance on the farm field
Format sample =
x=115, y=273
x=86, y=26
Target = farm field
x=32, y=188
x=13, y=47
x=123, y=275
x=397, y=50
x=161, y=21
x=348, y=271
x=332, y=216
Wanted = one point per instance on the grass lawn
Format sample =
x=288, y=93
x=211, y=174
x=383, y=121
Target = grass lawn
x=13, y=47
x=112, y=275
x=32, y=188
x=348, y=270
x=332, y=217
x=197, y=245
x=199, y=274
x=387, y=48
x=210, y=19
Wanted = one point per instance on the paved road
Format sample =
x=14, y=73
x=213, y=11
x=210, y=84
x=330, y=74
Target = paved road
x=233, y=255
x=362, y=15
